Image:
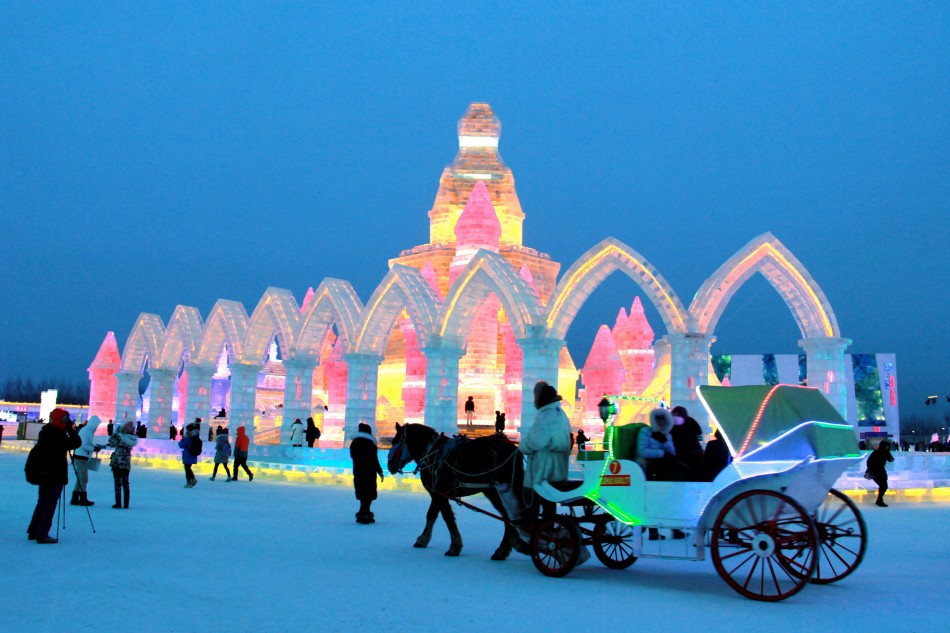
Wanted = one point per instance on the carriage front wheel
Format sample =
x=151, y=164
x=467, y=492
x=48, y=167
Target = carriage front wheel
x=764, y=545
x=556, y=546
x=613, y=544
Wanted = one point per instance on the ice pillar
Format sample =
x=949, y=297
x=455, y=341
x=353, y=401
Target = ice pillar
x=689, y=368
x=198, y=398
x=103, y=384
x=243, y=397
x=160, y=404
x=539, y=362
x=298, y=388
x=361, y=379
x=127, y=396
x=442, y=388
x=826, y=371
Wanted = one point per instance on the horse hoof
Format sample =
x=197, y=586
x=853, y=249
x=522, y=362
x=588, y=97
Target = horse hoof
x=419, y=545
x=453, y=551
x=500, y=555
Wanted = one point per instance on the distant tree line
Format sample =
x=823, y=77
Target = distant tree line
x=922, y=427
x=19, y=390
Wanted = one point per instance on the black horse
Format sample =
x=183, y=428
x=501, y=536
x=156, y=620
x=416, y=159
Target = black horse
x=459, y=467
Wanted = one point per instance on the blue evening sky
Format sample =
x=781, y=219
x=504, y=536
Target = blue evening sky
x=164, y=153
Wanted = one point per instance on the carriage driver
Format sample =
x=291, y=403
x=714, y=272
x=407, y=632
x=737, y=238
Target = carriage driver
x=547, y=443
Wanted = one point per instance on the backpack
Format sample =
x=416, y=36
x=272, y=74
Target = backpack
x=195, y=447
x=33, y=469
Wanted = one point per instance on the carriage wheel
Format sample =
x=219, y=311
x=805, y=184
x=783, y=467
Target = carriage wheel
x=764, y=544
x=842, y=538
x=613, y=544
x=556, y=546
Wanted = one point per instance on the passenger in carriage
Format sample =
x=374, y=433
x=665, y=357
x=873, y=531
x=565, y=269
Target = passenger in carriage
x=656, y=452
x=687, y=439
x=716, y=457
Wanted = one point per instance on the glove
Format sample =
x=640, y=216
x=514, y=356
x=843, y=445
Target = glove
x=659, y=437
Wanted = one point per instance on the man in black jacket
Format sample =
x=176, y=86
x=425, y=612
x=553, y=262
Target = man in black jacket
x=56, y=439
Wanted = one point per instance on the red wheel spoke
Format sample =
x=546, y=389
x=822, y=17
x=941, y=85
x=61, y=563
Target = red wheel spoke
x=748, y=579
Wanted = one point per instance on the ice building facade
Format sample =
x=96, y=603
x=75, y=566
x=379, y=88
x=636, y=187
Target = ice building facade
x=473, y=312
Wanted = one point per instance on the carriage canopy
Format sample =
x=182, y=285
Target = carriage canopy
x=777, y=422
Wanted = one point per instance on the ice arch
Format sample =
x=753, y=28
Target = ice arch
x=403, y=287
x=182, y=337
x=334, y=302
x=767, y=255
x=227, y=323
x=145, y=341
x=486, y=274
x=277, y=314
x=592, y=268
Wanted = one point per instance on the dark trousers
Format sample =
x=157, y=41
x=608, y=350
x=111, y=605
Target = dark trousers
x=881, y=481
x=46, y=501
x=240, y=461
x=189, y=474
x=214, y=473
x=120, y=479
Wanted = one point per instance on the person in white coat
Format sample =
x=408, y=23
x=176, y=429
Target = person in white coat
x=81, y=457
x=296, y=433
x=547, y=444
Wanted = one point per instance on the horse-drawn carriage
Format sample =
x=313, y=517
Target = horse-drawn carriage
x=771, y=519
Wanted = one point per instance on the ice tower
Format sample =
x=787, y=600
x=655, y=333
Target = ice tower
x=102, y=379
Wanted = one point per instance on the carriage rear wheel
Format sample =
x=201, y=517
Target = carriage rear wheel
x=613, y=544
x=556, y=546
x=764, y=544
x=842, y=538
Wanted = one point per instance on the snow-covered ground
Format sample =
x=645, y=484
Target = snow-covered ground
x=262, y=556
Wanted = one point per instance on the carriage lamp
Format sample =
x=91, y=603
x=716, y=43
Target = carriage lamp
x=606, y=409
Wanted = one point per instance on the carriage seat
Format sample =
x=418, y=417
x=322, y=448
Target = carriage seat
x=625, y=440
x=566, y=486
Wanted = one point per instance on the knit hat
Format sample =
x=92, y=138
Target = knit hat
x=364, y=428
x=679, y=412
x=58, y=418
x=128, y=428
x=544, y=394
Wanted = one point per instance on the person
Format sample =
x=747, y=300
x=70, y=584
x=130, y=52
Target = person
x=469, y=410
x=192, y=433
x=122, y=441
x=313, y=433
x=210, y=433
x=547, y=442
x=143, y=431
x=716, y=456
x=687, y=439
x=877, y=462
x=366, y=466
x=222, y=413
x=81, y=457
x=296, y=433
x=172, y=432
x=109, y=428
x=499, y=422
x=218, y=430
x=581, y=440
x=222, y=453
x=656, y=452
x=55, y=440
x=241, y=443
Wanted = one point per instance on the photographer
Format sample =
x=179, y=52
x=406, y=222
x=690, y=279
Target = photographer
x=81, y=460
x=55, y=440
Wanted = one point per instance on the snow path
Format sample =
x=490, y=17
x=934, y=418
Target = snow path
x=267, y=556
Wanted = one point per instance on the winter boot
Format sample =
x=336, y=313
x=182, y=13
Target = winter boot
x=126, y=503
x=74, y=501
x=118, y=500
x=84, y=499
x=250, y=476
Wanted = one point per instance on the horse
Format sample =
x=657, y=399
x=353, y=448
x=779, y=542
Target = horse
x=459, y=467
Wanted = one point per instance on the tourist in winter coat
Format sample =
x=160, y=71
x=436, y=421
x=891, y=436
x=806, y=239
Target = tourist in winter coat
x=716, y=456
x=366, y=467
x=192, y=437
x=222, y=453
x=547, y=443
x=296, y=433
x=687, y=439
x=313, y=433
x=877, y=462
x=241, y=444
x=122, y=441
x=655, y=450
x=55, y=440
x=81, y=458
